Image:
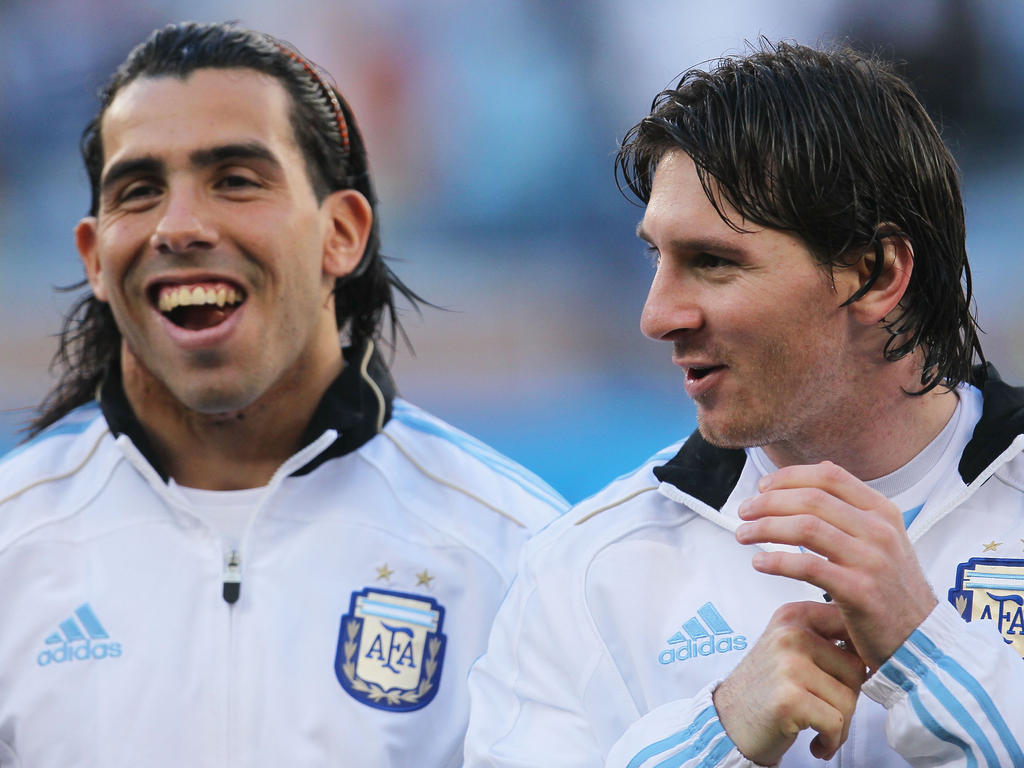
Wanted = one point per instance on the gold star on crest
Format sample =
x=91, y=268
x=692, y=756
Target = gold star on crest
x=423, y=579
x=993, y=545
x=384, y=573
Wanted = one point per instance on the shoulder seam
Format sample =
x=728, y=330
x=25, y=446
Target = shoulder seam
x=62, y=476
x=449, y=484
x=617, y=502
x=483, y=453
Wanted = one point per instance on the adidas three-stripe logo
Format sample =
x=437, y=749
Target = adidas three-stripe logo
x=705, y=634
x=74, y=640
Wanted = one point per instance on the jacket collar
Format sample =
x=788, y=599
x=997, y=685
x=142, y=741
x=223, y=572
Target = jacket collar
x=357, y=404
x=1002, y=419
x=709, y=473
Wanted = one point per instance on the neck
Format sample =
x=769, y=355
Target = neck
x=879, y=433
x=231, y=450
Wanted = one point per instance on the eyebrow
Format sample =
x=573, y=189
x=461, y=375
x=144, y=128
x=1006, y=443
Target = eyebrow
x=149, y=165
x=134, y=166
x=252, y=150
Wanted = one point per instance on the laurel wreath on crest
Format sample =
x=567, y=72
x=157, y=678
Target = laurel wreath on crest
x=374, y=691
x=961, y=605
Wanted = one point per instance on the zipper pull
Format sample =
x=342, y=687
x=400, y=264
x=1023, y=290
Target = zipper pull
x=232, y=577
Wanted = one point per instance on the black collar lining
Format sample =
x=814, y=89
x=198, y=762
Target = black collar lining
x=357, y=404
x=709, y=473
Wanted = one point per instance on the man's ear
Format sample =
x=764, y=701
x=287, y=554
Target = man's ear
x=887, y=291
x=348, y=220
x=85, y=241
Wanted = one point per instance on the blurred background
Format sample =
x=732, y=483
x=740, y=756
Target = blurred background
x=491, y=128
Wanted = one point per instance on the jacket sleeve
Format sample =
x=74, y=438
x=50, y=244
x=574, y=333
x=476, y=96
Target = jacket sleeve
x=953, y=693
x=685, y=733
x=546, y=693
x=525, y=703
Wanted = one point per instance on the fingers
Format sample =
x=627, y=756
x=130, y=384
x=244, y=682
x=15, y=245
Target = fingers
x=795, y=677
x=854, y=519
x=829, y=477
x=836, y=675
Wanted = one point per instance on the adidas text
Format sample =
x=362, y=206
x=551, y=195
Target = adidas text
x=690, y=649
x=78, y=652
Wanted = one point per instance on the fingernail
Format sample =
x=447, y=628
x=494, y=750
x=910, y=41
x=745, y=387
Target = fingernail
x=764, y=483
x=744, y=506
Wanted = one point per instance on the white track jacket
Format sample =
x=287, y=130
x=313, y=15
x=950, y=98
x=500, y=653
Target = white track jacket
x=629, y=610
x=338, y=630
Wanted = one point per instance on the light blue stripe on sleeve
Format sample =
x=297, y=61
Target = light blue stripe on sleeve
x=674, y=740
x=932, y=725
x=949, y=702
x=484, y=453
x=692, y=751
x=967, y=680
x=925, y=716
x=721, y=748
x=76, y=422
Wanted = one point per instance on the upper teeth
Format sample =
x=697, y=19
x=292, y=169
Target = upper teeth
x=186, y=296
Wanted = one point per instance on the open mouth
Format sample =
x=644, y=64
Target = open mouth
x=699, y=372
x=198, y=306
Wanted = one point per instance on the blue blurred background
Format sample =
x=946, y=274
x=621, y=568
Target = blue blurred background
x=491, y=128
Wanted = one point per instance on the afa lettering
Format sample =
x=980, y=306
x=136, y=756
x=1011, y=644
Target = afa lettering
x=399, y=646
x=1010, y=614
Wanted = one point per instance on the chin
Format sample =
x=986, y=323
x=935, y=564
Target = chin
x=216, y=402
x=732, y=435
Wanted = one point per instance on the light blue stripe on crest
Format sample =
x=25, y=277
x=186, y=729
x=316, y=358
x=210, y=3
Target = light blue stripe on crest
x=967, y=680
x=949, y=702
x=90, y=622
x=971, y=575
x=714, y=619
x=401, y=612
x=501, y=464
x=674, y=740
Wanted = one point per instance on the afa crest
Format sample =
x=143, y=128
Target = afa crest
x=390, y=649
x=992, y=588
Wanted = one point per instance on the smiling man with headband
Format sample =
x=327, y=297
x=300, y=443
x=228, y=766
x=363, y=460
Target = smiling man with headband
x=229, y=542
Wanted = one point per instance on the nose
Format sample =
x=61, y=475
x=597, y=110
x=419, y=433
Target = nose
x=184, y=225
x=671, y=307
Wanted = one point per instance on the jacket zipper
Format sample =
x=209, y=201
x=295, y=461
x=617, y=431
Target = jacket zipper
x=232, y=577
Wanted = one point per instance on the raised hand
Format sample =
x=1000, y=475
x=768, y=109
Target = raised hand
x=795, y=677
x=859, y=552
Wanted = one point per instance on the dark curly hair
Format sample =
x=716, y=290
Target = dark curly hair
x=335, y=158
x=835, y=147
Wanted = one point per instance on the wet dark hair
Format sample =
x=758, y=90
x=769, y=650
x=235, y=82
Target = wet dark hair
x=835, y=147
x=335, y=155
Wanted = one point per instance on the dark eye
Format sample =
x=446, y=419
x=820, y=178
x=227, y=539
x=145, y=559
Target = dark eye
x=653, y=254
x=138, y=190
x=237, y=181
x=710, y=261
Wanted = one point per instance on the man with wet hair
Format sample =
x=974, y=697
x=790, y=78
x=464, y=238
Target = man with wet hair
x=829, y=568
x=228, y=541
